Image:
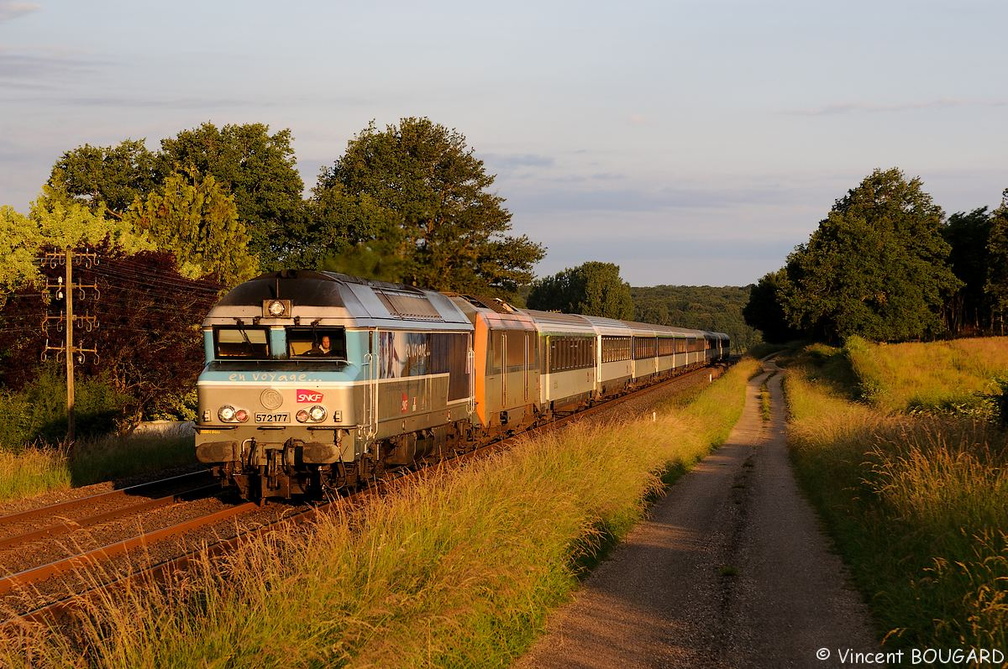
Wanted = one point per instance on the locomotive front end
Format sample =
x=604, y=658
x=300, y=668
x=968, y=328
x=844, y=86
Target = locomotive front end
x=278, y=398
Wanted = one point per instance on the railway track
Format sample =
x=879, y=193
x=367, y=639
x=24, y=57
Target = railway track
x=56, y=609
x=65, y=519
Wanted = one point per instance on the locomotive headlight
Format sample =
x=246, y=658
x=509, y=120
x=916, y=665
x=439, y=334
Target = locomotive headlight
x=316, y=414
x=228, y=414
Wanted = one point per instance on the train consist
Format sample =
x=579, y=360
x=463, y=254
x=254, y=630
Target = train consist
x=315, y=380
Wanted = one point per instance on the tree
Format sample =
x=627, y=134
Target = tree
x=147, y=346
x=57, y=221
x=108, y=177
x=416, y=197
x=714, y=308
x=764, y=312
x=195, y=218
x=591, y=289
x=257, y=168
x=996, y=286
x=967, y=234
x=875, y=267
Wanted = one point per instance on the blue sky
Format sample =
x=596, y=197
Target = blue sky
x=688, y=141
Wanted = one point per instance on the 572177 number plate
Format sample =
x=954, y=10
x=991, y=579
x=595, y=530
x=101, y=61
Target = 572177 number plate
x=272, y=417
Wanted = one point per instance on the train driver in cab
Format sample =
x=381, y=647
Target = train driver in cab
x=323, y=347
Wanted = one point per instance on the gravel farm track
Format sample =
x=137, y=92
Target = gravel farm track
x=730, y=569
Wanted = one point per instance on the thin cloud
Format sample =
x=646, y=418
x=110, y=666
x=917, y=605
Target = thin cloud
x=633, y=200
x=509, y=162
x=12, y=10
x=880, y=108
x=34, y=70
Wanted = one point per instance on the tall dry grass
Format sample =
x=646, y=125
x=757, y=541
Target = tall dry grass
x=918, y=506
x=459, y=569
x=950, y=377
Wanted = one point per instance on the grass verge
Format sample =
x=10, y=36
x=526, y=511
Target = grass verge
x=917, y=504
x=33, y=470
x=459, y=569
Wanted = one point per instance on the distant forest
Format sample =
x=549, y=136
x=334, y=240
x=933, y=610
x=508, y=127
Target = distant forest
x=701, y=307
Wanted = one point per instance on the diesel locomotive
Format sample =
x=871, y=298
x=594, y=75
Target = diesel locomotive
x=316, y=380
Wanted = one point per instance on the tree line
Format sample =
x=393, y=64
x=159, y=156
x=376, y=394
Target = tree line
x=886, y=264
x=596, y=289
x=410, y=203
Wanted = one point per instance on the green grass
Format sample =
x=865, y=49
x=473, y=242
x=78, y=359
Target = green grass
x=459, y=569
x=956, y=376
x=766, y=410
x=917, y=504
x=33, y=470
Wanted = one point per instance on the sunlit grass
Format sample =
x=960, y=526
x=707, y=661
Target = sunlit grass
x=918, y=504
x=936, y=376
x=33, y=470
x=459, y=569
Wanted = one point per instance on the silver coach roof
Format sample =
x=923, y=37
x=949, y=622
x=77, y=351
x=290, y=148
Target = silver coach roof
x=338, y=299
x=551, y=323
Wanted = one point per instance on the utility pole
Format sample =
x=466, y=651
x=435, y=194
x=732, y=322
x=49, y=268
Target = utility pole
x=68, y=348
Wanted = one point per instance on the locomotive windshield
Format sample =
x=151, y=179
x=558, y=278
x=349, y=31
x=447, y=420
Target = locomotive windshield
x=316, y=343
x=241, y=342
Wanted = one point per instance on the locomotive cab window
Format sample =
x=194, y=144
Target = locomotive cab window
x=316, y=343
x=241, y=342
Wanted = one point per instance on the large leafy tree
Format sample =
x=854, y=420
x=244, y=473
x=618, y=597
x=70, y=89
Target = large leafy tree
x=592, y=289
x=996, y=286
x=875, y=267
x=106, y=177
x=197, y=219
x=415, y=202
x=144, y=335
x=257, y=168
x=59, y=222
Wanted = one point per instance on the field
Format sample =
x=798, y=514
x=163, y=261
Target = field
x=459, y=569
x=912, y=481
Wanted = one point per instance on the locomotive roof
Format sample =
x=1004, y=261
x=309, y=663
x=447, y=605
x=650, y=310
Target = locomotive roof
x=334, y=296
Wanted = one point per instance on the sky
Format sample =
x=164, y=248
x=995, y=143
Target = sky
x=691, y=142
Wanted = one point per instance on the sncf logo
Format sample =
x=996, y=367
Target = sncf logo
x=309, y=396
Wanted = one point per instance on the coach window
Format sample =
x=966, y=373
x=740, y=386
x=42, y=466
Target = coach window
x=241, y=342
x=316, y=343
x=495, y=352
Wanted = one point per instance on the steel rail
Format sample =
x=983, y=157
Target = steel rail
x=62, y=507
x=38, y=574
x=66, y=526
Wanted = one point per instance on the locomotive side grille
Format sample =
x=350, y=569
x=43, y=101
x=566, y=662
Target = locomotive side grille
x=409, y=306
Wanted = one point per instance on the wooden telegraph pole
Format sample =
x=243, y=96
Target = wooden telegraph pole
x=69, y=348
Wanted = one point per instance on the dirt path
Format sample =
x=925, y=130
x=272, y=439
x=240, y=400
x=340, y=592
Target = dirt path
x=729, y=570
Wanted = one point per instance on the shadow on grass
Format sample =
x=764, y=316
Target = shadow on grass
x=591, y=550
